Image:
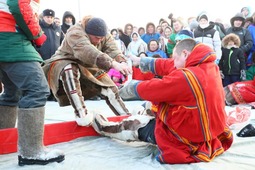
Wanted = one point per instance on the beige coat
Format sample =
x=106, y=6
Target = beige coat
x=93, y=61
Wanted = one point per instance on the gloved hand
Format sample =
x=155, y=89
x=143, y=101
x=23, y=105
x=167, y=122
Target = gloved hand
x=128, y=91
x=135, y=60
x=243, y=75
x=170, y=16
x=222, y=75
x=39, y=41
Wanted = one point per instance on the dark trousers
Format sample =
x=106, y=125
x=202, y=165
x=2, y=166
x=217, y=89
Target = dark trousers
x=146, y=133
x=229, y=79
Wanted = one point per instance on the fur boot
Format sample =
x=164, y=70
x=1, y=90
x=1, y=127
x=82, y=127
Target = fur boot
x=8, y=116
x=70, y=78
x=126, y=130
x=30, y=139
x=114, y=101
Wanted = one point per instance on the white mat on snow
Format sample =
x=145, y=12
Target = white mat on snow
x=102, y=153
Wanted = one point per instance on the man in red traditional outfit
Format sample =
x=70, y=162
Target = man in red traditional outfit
x=190, y=122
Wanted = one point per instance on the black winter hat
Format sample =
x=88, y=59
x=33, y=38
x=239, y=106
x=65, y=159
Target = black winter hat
x=238, y=16
x=97, y=27
x=48, y=12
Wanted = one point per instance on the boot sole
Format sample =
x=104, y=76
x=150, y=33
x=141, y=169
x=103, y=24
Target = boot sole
x=25, y=161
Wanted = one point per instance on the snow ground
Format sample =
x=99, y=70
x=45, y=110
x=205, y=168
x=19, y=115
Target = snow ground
x=102, y=153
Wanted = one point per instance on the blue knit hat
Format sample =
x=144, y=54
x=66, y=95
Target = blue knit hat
x=184, y=34
x=97, y=27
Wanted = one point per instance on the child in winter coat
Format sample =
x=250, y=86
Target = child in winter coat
x=232, y=62
x=116, y=76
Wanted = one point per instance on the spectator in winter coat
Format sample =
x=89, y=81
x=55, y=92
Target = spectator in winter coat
x=151, y=33
x=153, y=48
x=164, y=38
x=141, y=31
x=137, y=45
x=67, y=21
x=251, y=29
x=232, y=62
x=237, y=23
x=206, y=34
x=53, y=33
x=54, y=36
x=178, y=25
x=120, y=44
x=250, y=73
x=125, y=35
x=246, y=11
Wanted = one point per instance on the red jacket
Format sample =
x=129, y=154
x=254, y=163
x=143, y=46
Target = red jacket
x=19, y=16
x=191, y=119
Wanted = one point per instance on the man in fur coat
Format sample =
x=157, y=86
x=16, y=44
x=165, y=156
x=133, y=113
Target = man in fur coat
x=78, y=70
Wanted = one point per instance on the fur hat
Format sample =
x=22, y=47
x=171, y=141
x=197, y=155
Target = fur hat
x=97, y=27
x=48, y=12
x=238, y=16
x=184, y=34
x=231, y=37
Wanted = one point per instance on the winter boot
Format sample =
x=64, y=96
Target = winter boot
x=126, y=130
x=247, y=131
x=114, y=101
x=8, y=116
x=71, y=83
x=30, y=139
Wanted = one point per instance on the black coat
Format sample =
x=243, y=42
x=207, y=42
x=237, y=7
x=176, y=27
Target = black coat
x=53, y=33
x=245, y=37
x=234, y=63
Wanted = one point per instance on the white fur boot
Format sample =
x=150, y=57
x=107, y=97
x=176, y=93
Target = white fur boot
x=126, y=130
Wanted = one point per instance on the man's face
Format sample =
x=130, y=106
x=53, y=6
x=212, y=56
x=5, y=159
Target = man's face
x=48, y=19
x=238, y=23
x=95, y=40
x=69, y=20
x=57, y=21
x=129, y=30
x=150, y=29
x=153, y=46
x=179, y=59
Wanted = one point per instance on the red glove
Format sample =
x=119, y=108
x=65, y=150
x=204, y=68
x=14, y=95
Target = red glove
x=39, y=41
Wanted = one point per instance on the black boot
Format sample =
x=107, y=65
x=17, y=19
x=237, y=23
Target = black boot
x=247, y=131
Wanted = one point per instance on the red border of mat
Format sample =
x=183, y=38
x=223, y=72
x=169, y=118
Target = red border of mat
x=53, y=133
